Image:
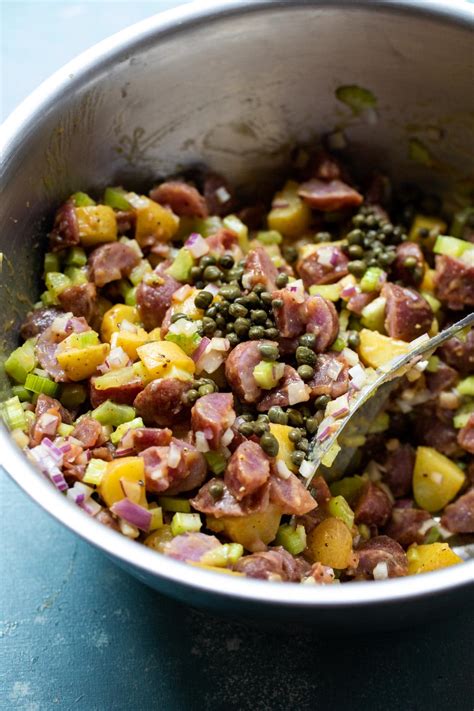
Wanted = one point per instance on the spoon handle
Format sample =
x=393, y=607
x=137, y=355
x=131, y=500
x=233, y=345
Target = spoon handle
x=339, y=448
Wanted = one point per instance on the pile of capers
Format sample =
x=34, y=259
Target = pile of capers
x=199, y=388
x=237, y=315
x=372, y=242
x=211, y=270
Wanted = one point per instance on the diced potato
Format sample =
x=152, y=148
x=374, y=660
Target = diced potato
x=286, y=447
x=81, y=363
x=436, y=479
x=131, y=341
x=253, y=531
x=159, y=357
x=155, y=334
x=434, y=226
x=153, y=221
x=330, y=543
x=294, y=217
x=331, y=292
x=159, y=538
x=215, y=568
x=113, y=318
x=115, y=378
x=428, y=283
x=97, y=224
x=131, y=469
x=376, y=350
x=432, y=556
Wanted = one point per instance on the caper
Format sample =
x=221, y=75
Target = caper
x=385, y=259
x=322, y=237
x=230, y=292
x=226, y=261
x=233, y=339
x=355, y=250
x=294, y=435
x=417, y=274
x=305, y=372
x=290, y=254
x=212, y=273
x=308, y=340
x=207, y=261
x=281, y=280
x=357, y=268
x=423, y=232
x=177, y=317
x=297, y=458
x=246, y=417
x=358, y=220
x=206, y=390
x=373, y=262
x=321, y=402
x=311, y=425
x=212, y=311
x=272, y=333
x=277, y=415
x=268, y=323
x=387, y=229
x=260, y=428
x=235, y=274
x=229, y=327
x=410, y=262
x=303, y=445
x=203, y=300
x=295, y=418
x=223, y=306
x=266, y=298
x=305, y=356
x=277, y=303
x=192, y=395
x=208, y=326
x=237, y=310
x=252, y=300
x=256, y=332
x=216, y=490
x=353, y=340
x=220, y=322
x=258, y=288
x=268, y=351
x=241, y=326
x=246, y=429
x=258, y=316
x=195, y=273
x=355, y=237
x=269, y=444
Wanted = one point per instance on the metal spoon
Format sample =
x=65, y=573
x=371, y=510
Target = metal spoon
x=369, y=402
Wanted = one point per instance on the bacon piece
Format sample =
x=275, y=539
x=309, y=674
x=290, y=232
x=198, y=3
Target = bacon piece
x=162, y=401
x=110, y=262
x=290, y=495
x=458, y=517
x=454, y=282
x=213, y=414
x=313, y=271
x=259, y=269
x=323, y=382
x=239, y=369
x=373, y=506
x=280, y=395
x=247, y=471
x=183, y=199
x=407, y=314
x=329, y=195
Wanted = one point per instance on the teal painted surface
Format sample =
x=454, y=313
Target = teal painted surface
x=77, y=633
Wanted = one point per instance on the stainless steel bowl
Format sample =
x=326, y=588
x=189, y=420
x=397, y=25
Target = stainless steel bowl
x=233, y=85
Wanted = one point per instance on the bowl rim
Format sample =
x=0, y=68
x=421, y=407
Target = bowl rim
x=143, y=560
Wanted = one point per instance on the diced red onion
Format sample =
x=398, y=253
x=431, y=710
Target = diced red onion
x=338, y=407
x=357, y=376
x=201, y=442
x=349, y=291
x=280, y=204
x=128, y=326
x=307, y=469
x=227, y=437
x=334, y=369
x=65, y=448
x=325, y=429
x=59, y=324
x=350, y=356
x=48, y=423
x=222, y=194
x=174, y=456
x=297, y=392
x=132, y=513
x=325, y=256
x=213, y=356
x=196, y=245
x=380, y=572
x=182, y=293
x=296, y=289
x=55, y=452
x=282, y=470
x=91, y=507
x=212, y=289
x=125, y=452
x=201, y=348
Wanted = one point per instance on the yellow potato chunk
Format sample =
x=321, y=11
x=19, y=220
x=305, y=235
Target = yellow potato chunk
x=376, y=350
x=113, y=318
x=293, y=217
x=428, y=283
x=330, y=543
x=159, y=357
x=81, y=363
x=130, y=341
x=97, y=224
x=254, y=532
x=436, y=479
x=286, y=447
x=432, y=556
x=115, y=378
x=433, y=226
x=153, y=221
x=131, y=469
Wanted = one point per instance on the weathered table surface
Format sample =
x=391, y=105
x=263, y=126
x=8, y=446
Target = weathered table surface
x=78, y=633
